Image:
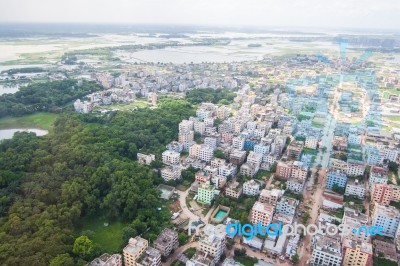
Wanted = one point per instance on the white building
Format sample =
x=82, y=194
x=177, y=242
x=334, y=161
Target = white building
x=355, y=168
x=171, y=157
x=355, y=188
x=238, y=143
x=287, y=206
x=387, y=217
x=326, y=251
x=171, y=173
x=251, y=188
x=205, y=153
x=311, y=142
x=211, y=142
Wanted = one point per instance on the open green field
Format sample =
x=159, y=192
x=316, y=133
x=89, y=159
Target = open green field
x=126, y=106
x=37, y=120
x=108, y=238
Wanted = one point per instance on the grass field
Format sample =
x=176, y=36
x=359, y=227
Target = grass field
x=246, y=261
x=37, y=120
x=109, y=238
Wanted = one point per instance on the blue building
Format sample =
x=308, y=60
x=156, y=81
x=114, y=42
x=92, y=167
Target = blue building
x=338, y=178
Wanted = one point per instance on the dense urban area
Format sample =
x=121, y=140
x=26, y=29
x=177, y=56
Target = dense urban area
x=147, y=163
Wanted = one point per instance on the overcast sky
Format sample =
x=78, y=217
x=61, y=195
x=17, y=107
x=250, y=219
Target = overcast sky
x=368, y=14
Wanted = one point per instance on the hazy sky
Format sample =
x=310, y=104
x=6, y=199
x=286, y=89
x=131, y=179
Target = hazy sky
x=310, y=13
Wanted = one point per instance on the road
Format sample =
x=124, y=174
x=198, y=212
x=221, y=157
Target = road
x=185, y=210
x=179, y=251
x=316, y=196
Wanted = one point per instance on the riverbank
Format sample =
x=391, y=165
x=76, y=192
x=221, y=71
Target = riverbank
x=36, y=120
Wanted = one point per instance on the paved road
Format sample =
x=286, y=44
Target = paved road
x=316, y=195
x=179, y=251
x=184, y=207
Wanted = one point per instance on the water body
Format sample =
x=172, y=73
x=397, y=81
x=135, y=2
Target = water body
x=9, y=133
x=8, y=89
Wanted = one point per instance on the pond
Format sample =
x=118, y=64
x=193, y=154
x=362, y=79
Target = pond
x=9, y=133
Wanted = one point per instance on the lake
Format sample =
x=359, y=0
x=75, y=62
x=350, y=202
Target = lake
x=9, y=133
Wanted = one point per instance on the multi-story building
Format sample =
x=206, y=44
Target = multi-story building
x=107, y=260
x=167, y=242
x=194, y=150
x=261, y=149
x=211, y=142
x=294, y=150
x=337, y=178
x=205, y=153
x=390, y=154
x=248, y=169
x=381, y=193
x=295, y=185
x=262, y=212
x=254, y=158
x=326, y=251
x=287, y=206
x=377, y=178
x=355, y=188
x=150, y=257
x=311, y=142
x=213, y=242
x=284, y=169
x=355, y=168
x=171, y=157
x=135, y=248
x=185, y=136
x=205, y=193
x=201, y=177
x=171, y=173
x=270, y=196
x=387, y=217
x=186, y=125
x=355, y=219
x=237, y=157
x=233, y=190
x=238, y=143
x=145, y=159
x=251, y=188
x=356, y=253
x=291, y=169
x=339, y=143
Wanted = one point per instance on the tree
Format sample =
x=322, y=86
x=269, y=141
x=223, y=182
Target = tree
x=182, y=238
x=393, y=166
x=62, y=260
x=219, y=154
x=295, y=258
x=83, y=246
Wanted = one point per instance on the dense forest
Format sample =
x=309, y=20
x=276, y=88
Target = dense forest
x=221, y=96
x=85, y=165
x=44, y=96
